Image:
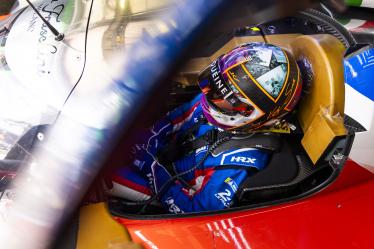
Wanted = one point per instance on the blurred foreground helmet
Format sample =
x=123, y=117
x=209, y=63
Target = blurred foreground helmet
x=253, y=85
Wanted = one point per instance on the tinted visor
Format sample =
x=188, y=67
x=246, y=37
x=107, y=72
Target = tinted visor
x=221, y=94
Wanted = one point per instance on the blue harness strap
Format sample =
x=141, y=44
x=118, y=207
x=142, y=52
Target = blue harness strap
x=243, y=158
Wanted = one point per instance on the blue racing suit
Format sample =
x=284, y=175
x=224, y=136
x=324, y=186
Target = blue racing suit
x=205, y=180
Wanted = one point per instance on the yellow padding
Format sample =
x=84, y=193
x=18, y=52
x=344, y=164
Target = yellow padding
x=98, y=230
x=323, y=104
x=321, y=132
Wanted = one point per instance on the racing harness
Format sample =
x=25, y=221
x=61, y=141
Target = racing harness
x=218, y=141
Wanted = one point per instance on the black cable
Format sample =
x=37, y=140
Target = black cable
x=58, y=36
x=163, y=187
x=84, y=62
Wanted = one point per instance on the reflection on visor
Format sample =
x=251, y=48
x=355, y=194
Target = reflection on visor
x=226, y=108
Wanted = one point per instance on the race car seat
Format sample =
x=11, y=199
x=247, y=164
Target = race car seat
x=321, y=110
x=320, y=115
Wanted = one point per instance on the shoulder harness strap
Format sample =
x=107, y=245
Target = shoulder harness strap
x=178, y=149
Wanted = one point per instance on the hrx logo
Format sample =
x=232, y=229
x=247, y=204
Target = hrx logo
x=243, y=159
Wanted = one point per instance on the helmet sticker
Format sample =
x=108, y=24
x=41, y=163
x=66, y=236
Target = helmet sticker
x=269, y=69
x=219, y=83
x=273, y=81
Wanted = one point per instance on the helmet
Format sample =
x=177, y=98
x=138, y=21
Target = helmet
x=253, y=85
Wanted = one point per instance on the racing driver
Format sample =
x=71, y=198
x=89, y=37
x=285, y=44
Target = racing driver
x=197, y=156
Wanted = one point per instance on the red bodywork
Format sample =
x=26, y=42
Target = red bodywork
x=340, y=216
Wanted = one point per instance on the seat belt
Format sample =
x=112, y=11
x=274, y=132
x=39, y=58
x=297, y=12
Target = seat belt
x=264, y=141
x=178, y=149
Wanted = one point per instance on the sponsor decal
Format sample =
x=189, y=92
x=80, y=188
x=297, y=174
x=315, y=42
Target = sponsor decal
x=173, y=208
x=243, y=159
x=232, y=184
x=218, y=81
x=224, y=197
